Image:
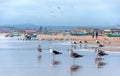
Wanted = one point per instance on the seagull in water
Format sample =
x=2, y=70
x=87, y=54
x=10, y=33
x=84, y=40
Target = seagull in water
x=99, y=44
x=80, y=41
x=100, y=53
x=85, y=41
x=54, y=52
x=74, y=55
x=39, y=48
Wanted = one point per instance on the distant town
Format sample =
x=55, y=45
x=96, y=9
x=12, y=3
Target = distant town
x=30, y=30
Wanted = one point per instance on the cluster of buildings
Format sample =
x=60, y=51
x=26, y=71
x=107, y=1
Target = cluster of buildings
x=32, y=34
x=114, y=32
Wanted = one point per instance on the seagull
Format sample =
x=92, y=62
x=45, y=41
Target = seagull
x=108, y=42
x=98, y=42
x=100, y=45
x=101, y=53
x=39, y=48
x=54, y=52
x=74, y=55
x=74, y=42
x=80, y=41
x=85, y=41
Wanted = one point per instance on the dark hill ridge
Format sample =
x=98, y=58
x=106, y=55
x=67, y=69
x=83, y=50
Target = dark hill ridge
x=21, y=27
x=33, y=26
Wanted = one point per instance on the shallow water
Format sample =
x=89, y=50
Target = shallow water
x=20, y=58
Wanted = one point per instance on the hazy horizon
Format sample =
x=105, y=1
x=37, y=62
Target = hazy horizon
x=59, y=12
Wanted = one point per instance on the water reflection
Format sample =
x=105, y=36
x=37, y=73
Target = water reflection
x=54, y=62
x=100, y=63
x=74, y=46
x=39, y=58
x=74, y=68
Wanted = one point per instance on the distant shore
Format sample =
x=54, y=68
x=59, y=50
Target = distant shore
x=113, y=46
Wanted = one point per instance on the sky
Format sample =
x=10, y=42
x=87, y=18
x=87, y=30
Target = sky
x=60, y=12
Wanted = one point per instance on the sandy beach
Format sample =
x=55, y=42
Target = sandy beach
x=111, y=43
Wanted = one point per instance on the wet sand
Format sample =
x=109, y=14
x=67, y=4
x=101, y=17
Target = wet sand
x=111, y=43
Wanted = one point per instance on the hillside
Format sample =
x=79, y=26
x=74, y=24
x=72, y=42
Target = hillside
x=6, y=29
x=21, y=27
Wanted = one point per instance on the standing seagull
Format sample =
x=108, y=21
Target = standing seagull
x=80, y=41
x=85, y=41
x=39, y=48
x=54, y=52
x=99, y=44
x=74, y=55
x=101, y=53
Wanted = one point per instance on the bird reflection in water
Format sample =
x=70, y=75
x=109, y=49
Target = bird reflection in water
x=39, y=58
x=74, y=46
x=74, y=68
x=99, y=62
x=54, y=62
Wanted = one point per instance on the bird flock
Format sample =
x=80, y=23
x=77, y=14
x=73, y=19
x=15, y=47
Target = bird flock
x=99, y=52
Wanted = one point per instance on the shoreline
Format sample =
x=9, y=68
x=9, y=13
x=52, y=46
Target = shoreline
x=113, y=42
